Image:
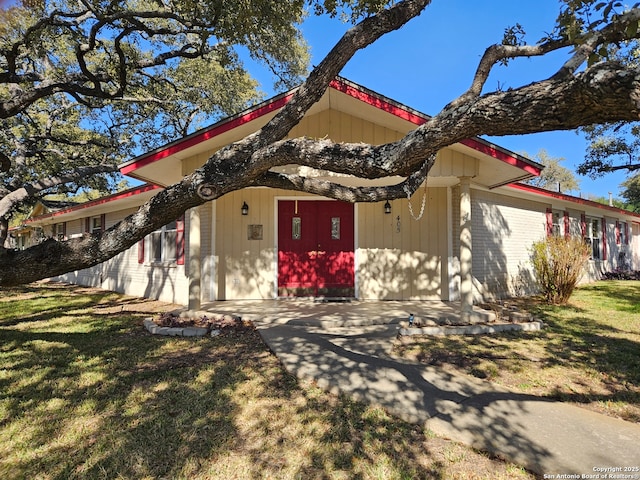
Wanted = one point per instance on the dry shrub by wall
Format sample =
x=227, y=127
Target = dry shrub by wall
x=558, y=263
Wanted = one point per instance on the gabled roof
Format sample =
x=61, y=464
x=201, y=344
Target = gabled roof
x=162, y=165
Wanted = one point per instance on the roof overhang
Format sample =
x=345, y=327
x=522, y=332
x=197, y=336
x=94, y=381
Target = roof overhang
x=162, y=166
x=127, y=199
x=560, y=200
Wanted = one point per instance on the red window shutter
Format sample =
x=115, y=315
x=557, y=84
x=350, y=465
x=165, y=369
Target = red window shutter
x=549, y=222
x=141, y=251
x=103, y=219
x=617, y=232
x=604, y=239
x=180, y=240
x=64, y=231
x=583, y=225
x=87, y=225
x=567, y=225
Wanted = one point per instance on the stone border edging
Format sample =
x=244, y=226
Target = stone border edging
x=155, y=329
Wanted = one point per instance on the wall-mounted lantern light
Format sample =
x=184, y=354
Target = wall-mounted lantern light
x=245, y=208
x=387, y=207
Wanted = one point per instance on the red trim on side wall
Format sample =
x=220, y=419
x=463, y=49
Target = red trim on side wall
x=98, y=201
x=569, y=198
x=549, y=216
x=180, y=240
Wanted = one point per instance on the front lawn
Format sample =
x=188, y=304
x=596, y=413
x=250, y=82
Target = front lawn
x=588, y=354
x=87, y=392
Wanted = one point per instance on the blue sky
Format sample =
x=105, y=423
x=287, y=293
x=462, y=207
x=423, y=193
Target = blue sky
x=432, y=59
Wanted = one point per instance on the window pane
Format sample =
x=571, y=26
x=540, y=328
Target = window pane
x=296, y=228
x=156, y=246
x=170, y=246
x=595, y=244
x=335, y=228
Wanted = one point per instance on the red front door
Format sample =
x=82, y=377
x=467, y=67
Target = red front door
x=315, y=248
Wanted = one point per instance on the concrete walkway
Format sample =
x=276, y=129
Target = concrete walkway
x=346, y=348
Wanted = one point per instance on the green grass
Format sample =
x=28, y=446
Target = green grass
x=587, y=354
x=86, y=392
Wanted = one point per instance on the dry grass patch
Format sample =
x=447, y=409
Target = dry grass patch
x=587, y=354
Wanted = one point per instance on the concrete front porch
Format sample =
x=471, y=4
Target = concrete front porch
x=314, y=312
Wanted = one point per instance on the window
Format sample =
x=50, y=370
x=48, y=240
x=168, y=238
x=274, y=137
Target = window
x=165, y=245
x=59, y=231
x=623, y=233
x=95, y=224
x=556, y=228
x=593, y=237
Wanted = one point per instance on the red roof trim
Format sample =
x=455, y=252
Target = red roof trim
x=498, y=154
x=376, y=101
x=569, y=198
x=206, y=134
x=405, y=113
x=98, y=201
x=353, y=90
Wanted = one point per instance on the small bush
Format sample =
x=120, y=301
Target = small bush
x=558, y=263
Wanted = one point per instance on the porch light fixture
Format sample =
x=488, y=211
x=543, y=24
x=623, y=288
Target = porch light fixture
x=245, y=208
x=387, y=207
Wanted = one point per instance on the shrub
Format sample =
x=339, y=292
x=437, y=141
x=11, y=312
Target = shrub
x=558, y=263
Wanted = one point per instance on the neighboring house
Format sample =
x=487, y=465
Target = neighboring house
x=261, y=243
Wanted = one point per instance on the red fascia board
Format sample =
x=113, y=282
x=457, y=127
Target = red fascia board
x=418, y=119
x=498, y=154
x=354, y=91
x=569, y=198
x=375, y=101
x=97, y=201
x=206, y=134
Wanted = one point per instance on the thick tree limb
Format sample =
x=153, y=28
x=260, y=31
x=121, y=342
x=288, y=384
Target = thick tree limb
x=347, y=193
x=605, y=92
x=614, y=32
x=9, y=201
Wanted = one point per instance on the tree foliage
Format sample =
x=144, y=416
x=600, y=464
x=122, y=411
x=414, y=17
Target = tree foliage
x=84, y=85
x=591, y=86
x=554, y=176
x=631, y=192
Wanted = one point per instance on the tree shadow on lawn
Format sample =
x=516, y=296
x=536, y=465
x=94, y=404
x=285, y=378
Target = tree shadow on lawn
x=78, y=405
x=597, y=358
x=118, y=402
